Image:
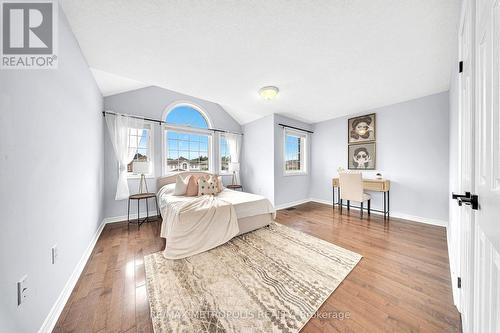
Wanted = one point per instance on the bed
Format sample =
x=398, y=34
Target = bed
x=251, y=212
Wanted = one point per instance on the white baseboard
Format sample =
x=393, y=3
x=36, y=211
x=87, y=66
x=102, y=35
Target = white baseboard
x=57, y=308
x=121, y=218
x=426, y=220
x=291, y=204
x=325, y=202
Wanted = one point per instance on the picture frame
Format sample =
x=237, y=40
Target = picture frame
x=361, y=129
x=362, y=156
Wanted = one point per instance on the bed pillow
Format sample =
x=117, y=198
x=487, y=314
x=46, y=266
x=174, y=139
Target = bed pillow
x=192, y=187
x=207, y=186
x=181, y=185
x=220, y=186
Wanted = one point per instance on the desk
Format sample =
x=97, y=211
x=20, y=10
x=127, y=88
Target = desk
x=374, y=185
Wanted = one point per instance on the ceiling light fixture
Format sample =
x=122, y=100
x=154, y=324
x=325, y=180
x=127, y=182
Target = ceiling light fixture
x=269, y=93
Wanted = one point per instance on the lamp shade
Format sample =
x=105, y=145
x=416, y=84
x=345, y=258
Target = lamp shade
x=140, y=167
x=234, y=166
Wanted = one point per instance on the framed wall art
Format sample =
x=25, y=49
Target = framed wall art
x=362, y=156
x=361, y=129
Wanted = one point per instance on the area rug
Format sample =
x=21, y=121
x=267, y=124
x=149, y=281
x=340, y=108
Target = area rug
x=271, y=280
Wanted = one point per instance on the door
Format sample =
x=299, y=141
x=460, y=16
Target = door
x=463, y=226
x=477, y=232
x=487, y=173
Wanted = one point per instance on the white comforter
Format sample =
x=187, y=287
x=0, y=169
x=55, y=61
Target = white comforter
x=192, y=225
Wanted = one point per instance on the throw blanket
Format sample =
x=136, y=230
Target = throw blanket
x=197, y=225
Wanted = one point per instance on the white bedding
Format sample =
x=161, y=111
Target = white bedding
x=245, y=204
x=193, y=225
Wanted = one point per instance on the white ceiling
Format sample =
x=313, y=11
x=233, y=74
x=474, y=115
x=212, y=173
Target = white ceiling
x=111, y=84
x=328, y=57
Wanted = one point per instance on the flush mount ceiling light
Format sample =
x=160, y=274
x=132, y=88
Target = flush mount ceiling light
x=269, y=93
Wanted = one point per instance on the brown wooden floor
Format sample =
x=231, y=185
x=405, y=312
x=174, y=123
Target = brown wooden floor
x=402, y=284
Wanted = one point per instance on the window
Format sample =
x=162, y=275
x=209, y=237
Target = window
x=186, y=151
x=295, y=152
x=225, y=156
x=141, y=144
x=188, y=147
x=186, y=115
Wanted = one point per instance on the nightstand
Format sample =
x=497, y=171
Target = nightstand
x=139, y=197
x=235, y=187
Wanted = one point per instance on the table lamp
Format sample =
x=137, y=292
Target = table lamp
x=234, y=167
x=141, y=168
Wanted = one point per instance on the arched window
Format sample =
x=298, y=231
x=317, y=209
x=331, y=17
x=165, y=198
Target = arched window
x=187, y=139
x=186, y=115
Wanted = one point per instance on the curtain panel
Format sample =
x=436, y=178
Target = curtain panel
x=234, y=145
x=119, y=132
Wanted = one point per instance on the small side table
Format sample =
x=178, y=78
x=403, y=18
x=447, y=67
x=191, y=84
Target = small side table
x=139, y=197
x=235, y=187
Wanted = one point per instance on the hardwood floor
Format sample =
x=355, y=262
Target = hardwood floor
x=402, y=284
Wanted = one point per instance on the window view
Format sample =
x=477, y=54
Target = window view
x=294, y=152
x=225, y=156
x=139, y=143
x=186, y=115
x=187, y=150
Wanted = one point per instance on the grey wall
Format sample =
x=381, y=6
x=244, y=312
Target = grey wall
x=51, y=171
x=412, y=151
x=291, y=188
x=151, y=102
x=262, y=161
x=257, y=160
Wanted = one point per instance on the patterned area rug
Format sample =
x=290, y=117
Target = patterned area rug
x=271, y=280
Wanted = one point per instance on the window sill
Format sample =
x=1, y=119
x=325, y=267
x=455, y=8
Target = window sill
x=300, y=173
x=170, y=173
x=139, y=176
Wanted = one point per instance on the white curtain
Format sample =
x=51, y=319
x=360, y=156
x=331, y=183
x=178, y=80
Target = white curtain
x=234, y=145
x=119, y=131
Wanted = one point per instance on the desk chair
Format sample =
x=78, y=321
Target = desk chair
x=351, y=188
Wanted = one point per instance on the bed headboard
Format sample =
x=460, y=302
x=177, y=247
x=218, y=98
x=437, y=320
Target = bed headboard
x=170, y=178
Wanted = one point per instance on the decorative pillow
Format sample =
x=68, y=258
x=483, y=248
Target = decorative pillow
x=181, y=185
x=192, y=187
x=220, y=186
x=207, y=186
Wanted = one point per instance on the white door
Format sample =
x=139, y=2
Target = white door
x=487, y=171
x=463, y=227
x=477, y=232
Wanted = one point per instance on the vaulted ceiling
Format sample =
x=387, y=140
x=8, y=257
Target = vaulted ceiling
x=329, y=58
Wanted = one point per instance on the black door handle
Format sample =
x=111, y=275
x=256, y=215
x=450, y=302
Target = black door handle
x=467, y=199
x=458, y=196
